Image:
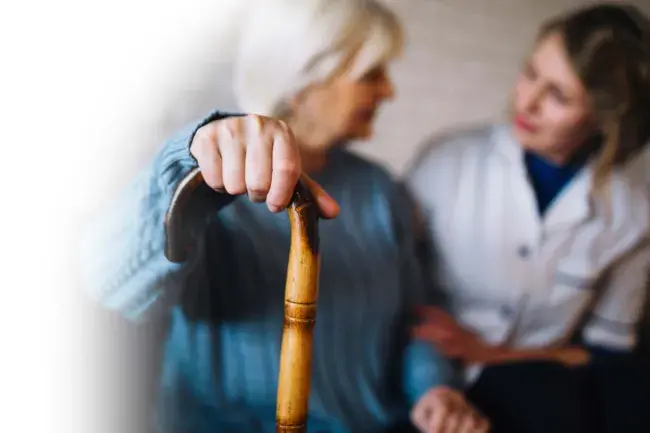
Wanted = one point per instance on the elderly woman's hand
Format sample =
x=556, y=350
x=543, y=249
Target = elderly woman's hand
x=444, y=410
x=254, y=155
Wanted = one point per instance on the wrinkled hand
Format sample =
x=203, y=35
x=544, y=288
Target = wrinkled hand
x=255, y=155
x=572, y=356
x=444, y=410
x=441, y=329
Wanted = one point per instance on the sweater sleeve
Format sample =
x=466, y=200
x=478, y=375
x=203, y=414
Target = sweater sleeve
x=122, y=261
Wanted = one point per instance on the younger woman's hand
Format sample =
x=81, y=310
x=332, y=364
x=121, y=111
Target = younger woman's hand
x=572, y=356
x=441, y=329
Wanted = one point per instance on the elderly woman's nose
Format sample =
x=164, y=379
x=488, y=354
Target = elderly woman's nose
x=387, y=88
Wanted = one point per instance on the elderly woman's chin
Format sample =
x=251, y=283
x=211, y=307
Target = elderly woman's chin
x=361, y=130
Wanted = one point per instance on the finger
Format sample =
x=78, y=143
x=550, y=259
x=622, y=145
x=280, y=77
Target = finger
x=481, y=425
x=420, y=416
x=468, y=424
x=438, y=419
x=438, y=313
x=440, y=321
x=456, y=411
x=259, y=145
x=452, y=422
x=231, y=146
x=327, y=206
x=446, y=348
x=209, y=159
x=432, y=333
x=426, y=310
x=422, y=331
x=472, y=421
x=285, y=170
x=433, y=329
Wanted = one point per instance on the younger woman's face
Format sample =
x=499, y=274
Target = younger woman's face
x=552, y=111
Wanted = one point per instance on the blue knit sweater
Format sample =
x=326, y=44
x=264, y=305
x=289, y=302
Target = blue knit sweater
x=220, y=365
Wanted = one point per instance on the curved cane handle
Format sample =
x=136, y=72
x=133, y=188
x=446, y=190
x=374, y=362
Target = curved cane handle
x=301, y=294
x=176, y=247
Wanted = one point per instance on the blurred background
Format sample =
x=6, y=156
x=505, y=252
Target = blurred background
x=459, y=65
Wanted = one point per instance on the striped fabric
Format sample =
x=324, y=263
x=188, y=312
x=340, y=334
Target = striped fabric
x=221, y=354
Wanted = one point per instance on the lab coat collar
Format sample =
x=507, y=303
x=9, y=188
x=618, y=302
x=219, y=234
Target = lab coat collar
x=572, y=206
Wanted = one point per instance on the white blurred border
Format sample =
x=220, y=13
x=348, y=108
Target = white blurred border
x=80, y=82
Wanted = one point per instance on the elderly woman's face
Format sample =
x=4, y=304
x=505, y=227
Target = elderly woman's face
x=553, y=116
x=345, y=108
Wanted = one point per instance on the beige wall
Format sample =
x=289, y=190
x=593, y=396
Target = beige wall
x=459, y=65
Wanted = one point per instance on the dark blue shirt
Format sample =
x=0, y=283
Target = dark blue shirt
x=549, y=180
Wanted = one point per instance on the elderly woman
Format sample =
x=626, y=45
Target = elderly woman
x=320, y=66
x=543, y=228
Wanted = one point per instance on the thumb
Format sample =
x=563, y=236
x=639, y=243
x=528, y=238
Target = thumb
x=328, y=207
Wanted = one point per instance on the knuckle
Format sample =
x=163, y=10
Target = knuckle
x=288, y=167
x=208, y=129
x=233, y=184
x=255, y=123
x=202, y=139
x=211, y=175
x=258, y=190
x=213, y=182
x=199, y=136
x=283, y=125
x=229, y=129
x=287, y=134
x=276, y=206
x=235, y=189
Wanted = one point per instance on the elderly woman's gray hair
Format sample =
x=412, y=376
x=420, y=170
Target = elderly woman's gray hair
x=287, y=45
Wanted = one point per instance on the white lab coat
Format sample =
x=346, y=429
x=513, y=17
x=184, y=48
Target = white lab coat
x=522, y=280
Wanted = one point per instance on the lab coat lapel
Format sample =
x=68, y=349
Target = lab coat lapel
x=570, y=208
x=524, y=206
x=573, y=205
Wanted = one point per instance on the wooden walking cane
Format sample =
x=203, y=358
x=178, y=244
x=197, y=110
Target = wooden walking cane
x=301, y=294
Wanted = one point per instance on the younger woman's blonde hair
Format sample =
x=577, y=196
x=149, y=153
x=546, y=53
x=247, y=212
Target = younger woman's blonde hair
x=286, y=45
x=609, y=48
